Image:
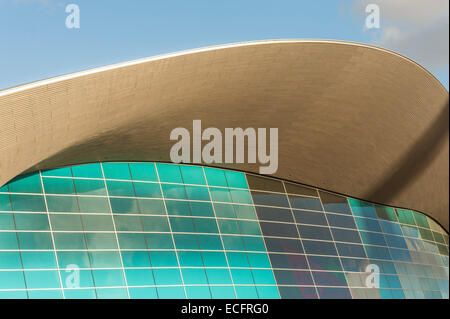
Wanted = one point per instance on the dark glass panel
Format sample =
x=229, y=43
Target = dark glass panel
x=274, y=214
x=270, y=199
x=264, y=184
x=334, y=203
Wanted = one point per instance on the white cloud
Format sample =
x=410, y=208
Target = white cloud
x=415, y=28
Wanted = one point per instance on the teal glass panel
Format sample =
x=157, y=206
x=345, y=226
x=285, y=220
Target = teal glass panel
x=214, y=259
x=150, y=190
x=155, y=224
x=224, y=210
x=215, y=177
x=143, y=293
x=35, y=240
x=28, y=203
x=42, y=279
x=173, y=191
x=8, y=241
x=167, y=276
x=169, y=173
x=17, y=294
x=38, y=260
x=116, y=188
x=132, y=241
x=159, y=241
x=182, y=224
x=190, y=259
x=180, y=208
x=31, y=221
x=62, y=204
x=218, y=276
x=222, y=292
x=205, y=225
x=10, y=260
x=116, y=171
x=124, y=206
x=67, y=258
x=151, y=206
x=197, y=193
x=139, y=277
x=201, y=209
x=254, y=243
x=93, y=170
x=105, y=259
x=242, y=276
x=421, y=220
x=228, y=226
x=136, y=259
x=97, y=223
x=30, y=183
x=198, y=292
x=108, y=277
x=241, y=196
x=163, y=259
x=268, y=292
x=192, y=175
x=58, y=186
x=45, y=294
x=209, y=242
x=236, y=179
x=66, y=222
x=258, y=260
x=220, y=194
x=237, y=259
x=7, y=221
x=128, y=223
x=143, y=172
x=171, y=292
x=406, y=217
x=101, y=240
x=60, y=172
x=93, y=204
x=12, y=280
x=5, y=203
x=194, y=276
x=233, y=243
x=246, y=292
x=80, y=294
x=363, y=209
x=111, y=293
x=90, y=187
x=249, y=227
x=245, y=211
x=69, y=240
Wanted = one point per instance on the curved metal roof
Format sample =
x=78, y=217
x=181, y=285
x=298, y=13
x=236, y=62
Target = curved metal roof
x=352, y=118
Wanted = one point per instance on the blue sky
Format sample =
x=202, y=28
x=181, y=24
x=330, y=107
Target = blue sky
x=35, y=43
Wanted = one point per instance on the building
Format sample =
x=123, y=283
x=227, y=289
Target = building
x=90, y=206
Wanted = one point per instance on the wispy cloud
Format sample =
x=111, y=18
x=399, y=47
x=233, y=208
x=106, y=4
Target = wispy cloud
x=418, y=29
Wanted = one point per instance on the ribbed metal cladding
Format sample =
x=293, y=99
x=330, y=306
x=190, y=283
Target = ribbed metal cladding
x=353, y=119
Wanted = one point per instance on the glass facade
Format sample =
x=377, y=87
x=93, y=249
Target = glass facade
x=154, y=230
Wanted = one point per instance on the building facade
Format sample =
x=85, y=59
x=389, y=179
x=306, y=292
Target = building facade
x=90, y=206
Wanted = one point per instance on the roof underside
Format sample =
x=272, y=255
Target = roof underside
x=352, y=119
